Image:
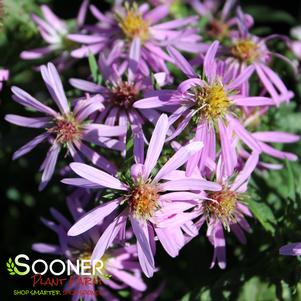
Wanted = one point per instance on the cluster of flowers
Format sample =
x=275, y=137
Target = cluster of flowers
x=200, y=131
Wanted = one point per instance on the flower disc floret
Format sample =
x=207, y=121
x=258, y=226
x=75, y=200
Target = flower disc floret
x=66, y=129
x=124, y=95
x=212, y=101
x=133, y=25
x=222, y=206
x=245, y=51
x=143, y=200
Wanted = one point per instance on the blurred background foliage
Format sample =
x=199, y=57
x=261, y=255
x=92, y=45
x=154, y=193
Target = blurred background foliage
x=255, y=272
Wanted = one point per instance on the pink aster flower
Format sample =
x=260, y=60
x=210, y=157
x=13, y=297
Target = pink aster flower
x=121, y=89
x=142, y=199
x=68, y=128
x=250, y=50
x=4, y=74
x=55, y=33
x=120, y=268
x=292, y=249
x=221, y=21
x=136, y=33
x=212, y=104
x=226, y=210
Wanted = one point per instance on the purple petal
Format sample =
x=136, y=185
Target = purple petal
x=97, y=176
x=36, y=53
x=49, y=164
x=189, y=184
x=244, y=76
x=226, y=148
x=181, y=62
x=80, y=182
x=29, y=146
x=92, y=218
x=131, y=280
x=95, y=158
x=243, y=134
x=101, y=130
x=47, y=248
x=254, y=101
x=134, y=58
x=189, y=83
x=108, y=236
x=276, y=137
x=27, y=100
x=179, y=158
x=145, y=254
x=209, y=61
x=156, y=145
x=55, y=87
x=37, y=122
x=245, y=173
x=87, y=86
x=166, y=237
x=86, y=39
x=53, y=19
x=292, y=249
x=277, y=153
x=156, y=14
x=80, y=20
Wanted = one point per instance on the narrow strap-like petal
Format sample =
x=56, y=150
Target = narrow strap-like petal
x=97, y=176
x=209, y=61
x=134, y=58
x=48, y=165
x=36, y=122
x=276, y=137
x=29, y=146
x=245, y=173
x=189, y=184
x=87, y=86
x=92, y=218
x=27, y=100
x=155, y=145
x=108, y=236
x=179, y=158
x=55, y=87
x=146, y=257
x=181, y=62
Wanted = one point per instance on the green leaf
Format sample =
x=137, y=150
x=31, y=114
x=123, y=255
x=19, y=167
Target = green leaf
x=124, y=293
x=264, y=215
x=186, y=297
x=97, y=78
x=290, y=181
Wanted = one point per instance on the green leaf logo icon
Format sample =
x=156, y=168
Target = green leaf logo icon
x=11, y=268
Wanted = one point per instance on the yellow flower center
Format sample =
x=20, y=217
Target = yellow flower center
x=212, y=101
x=66, y=129
x=133, y=25
x=223, y=206
x=143, y=200
x=245, y=51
